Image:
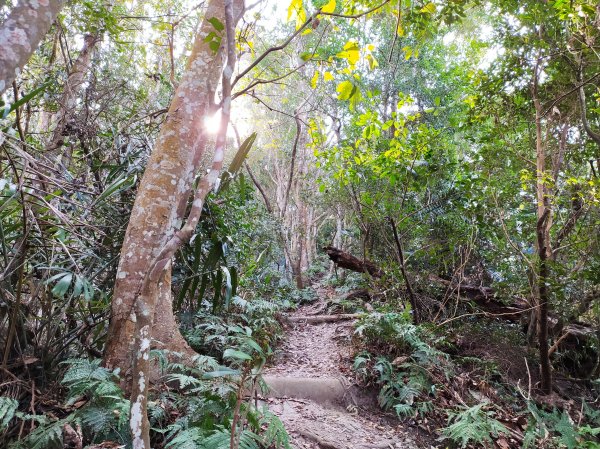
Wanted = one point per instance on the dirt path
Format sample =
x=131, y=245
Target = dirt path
x=313, y=391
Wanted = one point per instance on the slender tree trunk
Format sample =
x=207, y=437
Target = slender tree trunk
x=411, y=294
x=544, y=213
x=21, y=33
x=68, y=99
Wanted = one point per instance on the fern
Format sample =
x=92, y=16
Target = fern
x=559, y=424
x=187, y=439
x=8, y=408
x=404, y=410
x=87, y=377
x=186, y=382
x=473, y=425
x=49, y=436
x=275, y=434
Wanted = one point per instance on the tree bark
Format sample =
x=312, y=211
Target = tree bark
x=162, y=198
x=544, y=220
x=348, y=261
x=411, y=294
x=21, y=33
x=68, y=99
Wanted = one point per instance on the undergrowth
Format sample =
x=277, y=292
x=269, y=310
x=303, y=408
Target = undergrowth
x=191, y=407
x=461, y=399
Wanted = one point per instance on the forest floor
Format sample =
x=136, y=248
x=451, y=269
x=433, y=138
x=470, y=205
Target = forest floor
x=313, y=389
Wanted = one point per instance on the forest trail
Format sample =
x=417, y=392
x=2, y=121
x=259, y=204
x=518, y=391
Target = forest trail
x=313, y=390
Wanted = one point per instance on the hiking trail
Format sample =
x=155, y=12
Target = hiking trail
x=313, y=390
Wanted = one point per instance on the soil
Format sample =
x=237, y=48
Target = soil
x=321, y=406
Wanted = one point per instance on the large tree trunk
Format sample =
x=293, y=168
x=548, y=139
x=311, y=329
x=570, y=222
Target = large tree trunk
x=162, y=198
x=21, y=33
x=155, y=229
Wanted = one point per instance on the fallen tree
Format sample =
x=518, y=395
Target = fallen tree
x=350, y=262
x=569, y=336
x=485, y=298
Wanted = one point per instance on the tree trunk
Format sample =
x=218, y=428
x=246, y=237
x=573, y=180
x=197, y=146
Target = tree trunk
x=21, y=33
x=348, y=261
x=162, y=199
x=160, y=206
x=68, y=99
x=544, y=220
x=411, y=294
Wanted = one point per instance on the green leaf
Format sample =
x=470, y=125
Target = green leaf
x=61, y=287
x=78, y=286
x=214, y=45
x=8, y=409
x=120, y=184
x=235, y=354
x=221, y=372
x=238, y=161
x=216, y=23
x=305, y=56
x=24, y=99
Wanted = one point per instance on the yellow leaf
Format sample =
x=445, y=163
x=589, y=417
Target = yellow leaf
x=345, y=90
x=314, y=80
x=429, y=8
x=373, y=64
x=327, y=76
x=297, y=8
x=351, y=52
x=329, y=7
x=400, y=30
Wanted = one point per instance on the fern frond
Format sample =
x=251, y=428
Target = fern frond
x=275, y=433
x=248, y=440
x=473, y=425
x=218, y=440
x=187, y=439
x=404, y=410
x=46, y=437
x=185, y=381
x=8, y=408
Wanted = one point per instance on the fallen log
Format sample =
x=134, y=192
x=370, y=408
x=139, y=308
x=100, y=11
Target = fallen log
x=350, y=262
x=318, y=319
x=485, y=298
x=324, y=391
x=332, y=391
x=569, y=337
